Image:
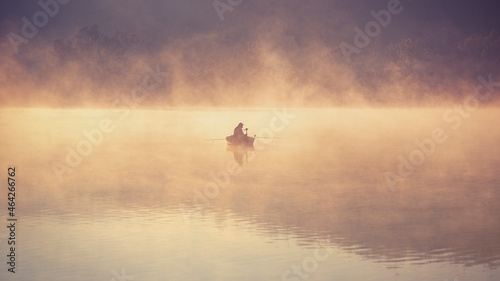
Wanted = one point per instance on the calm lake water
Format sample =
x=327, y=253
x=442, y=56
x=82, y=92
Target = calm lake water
x=339, y=194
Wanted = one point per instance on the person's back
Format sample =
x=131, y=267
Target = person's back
x=238, y=131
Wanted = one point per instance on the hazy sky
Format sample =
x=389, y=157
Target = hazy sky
x=248, y=53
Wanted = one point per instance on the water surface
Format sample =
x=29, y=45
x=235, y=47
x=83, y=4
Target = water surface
x=153, y=197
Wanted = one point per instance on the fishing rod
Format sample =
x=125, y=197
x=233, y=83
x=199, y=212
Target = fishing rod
x=246, y=134
x=254, y=137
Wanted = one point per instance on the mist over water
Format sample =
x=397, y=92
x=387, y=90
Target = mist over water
x=318, y=184
x=375, y=157
x=262, y=54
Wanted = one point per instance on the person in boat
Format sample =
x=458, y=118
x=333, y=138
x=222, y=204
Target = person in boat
x=238, y=131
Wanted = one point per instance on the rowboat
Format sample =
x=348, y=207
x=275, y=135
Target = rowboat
x=241, y=140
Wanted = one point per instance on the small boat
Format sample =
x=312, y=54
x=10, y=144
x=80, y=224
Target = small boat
x=243, y=140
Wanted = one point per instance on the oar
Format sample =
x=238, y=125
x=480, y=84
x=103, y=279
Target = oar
x=255, y=137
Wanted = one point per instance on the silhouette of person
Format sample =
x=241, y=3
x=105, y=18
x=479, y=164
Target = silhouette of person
x=238, y=131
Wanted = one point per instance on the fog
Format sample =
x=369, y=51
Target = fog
x=310, y=181
x=263, y=53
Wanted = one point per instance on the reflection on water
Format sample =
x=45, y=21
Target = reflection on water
x=129, y=202
x=241, y=153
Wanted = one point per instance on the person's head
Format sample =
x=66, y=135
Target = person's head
x=240, y=125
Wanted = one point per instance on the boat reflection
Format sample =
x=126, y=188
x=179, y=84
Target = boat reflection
x=241, y=152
